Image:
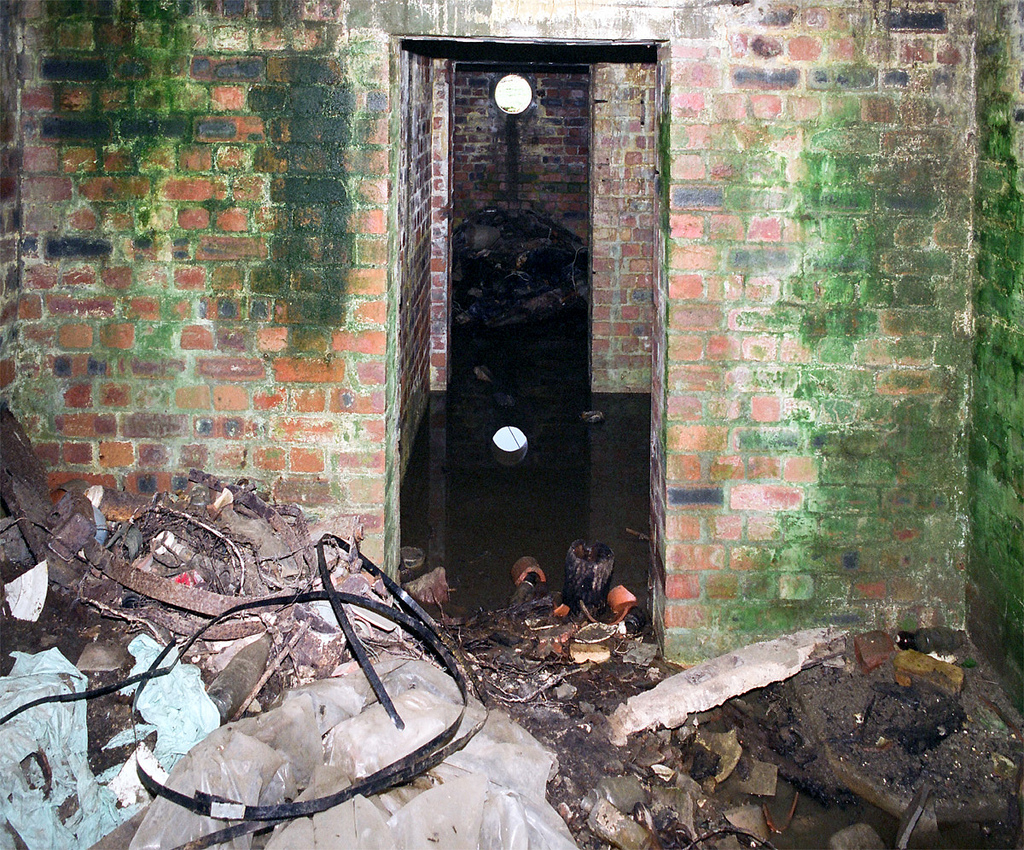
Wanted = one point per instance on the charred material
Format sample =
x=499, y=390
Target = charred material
x=514, y=267
x=588, y=576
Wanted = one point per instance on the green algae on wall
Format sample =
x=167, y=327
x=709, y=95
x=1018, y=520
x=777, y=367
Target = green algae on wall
x=996, y=460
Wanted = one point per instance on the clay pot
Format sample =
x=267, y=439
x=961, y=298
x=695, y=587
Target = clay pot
x=620, y=600
x=526, y=566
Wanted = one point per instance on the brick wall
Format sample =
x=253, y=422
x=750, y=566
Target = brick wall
x=415, y=248
x=622, y=173
x=818, y=198
x=996, y=469
x=537, y=159
x=206, y=249
x=440, y=224
x=208, y=225
x=10, y=208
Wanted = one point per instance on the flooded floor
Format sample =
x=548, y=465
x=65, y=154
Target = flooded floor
x=476, y=517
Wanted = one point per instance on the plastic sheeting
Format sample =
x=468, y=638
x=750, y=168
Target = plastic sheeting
x=34, y=804
x=323, y=737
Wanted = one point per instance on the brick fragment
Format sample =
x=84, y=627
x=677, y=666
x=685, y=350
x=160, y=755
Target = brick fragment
x=873, y=649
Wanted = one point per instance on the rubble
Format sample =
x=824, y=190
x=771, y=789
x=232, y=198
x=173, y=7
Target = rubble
x=344, y=715
x=514, y=267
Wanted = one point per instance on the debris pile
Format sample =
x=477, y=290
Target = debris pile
x=286, y=692
x=514, y=267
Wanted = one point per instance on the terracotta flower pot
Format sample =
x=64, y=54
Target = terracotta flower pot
x=526, y=566
x=620, y=601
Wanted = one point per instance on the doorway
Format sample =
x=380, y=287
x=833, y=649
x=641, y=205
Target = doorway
x=539, y=289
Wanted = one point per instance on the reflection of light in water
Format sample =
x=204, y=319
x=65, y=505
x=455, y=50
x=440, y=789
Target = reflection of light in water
x=508, y=445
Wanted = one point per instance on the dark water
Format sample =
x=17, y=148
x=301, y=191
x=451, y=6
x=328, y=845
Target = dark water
x=578, y=480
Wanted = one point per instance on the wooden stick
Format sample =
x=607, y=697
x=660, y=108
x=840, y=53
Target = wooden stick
x=271, y=668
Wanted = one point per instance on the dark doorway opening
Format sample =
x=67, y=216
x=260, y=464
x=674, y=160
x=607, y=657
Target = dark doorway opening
x=521, y=328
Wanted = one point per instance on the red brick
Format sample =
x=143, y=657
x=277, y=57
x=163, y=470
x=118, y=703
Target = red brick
x=191, y=189
x=190, y=277
x=681, y=557
x=145, y=308
x=78, y=395
x=30, y=307
x=870, y=590
x=727, y=527
x=232, y=368
x=192, y=398
x=77, y=453
x=193, y=218
x=685, y=226
x=196, y=337
x=46, y=190
x=682, y=467
x=682, y=586
x=800, y=469
x=696, y=438
x=227, y=98
x=804, y=48
x=764, y=497
x=83, y=219
x=154, y=425
x=306, y=460
x=765, y=408
x=195, y=159
x=115, y=395
x=309, y=401
x=75, y=336
x=267, y=401
x=682, y=527
x=234, y=220
x=154, y=455
x=873, y=649
x=727, y=468
x=230, y=397
x=271, y=458
x=120, y=335
x=116, y=454
x=361, y=342
x=309, y=371
x=116, y=277
x=682, y=616
x=371, y=374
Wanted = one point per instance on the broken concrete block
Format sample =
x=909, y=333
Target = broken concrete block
x=727, y=747
x=761, y=780
x=910, y=664
x=873, y=649
x=609, y=824
x=749, y=819
x=860, y=836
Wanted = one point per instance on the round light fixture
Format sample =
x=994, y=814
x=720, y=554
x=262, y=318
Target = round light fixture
x=513, y=94
x=508, y=445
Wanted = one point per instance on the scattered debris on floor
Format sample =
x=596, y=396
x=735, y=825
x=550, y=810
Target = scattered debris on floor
x=255, y=681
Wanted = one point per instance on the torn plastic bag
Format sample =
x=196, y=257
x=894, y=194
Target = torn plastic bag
x=55, y=734
x=509, y=756
x=176, y=704
x=226, y=763
x=447, y=815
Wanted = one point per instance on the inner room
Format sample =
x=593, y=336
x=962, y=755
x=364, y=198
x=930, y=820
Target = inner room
x=543, y=221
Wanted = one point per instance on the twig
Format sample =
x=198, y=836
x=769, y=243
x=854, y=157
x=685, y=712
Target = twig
x=271, y=668
x=770, y=821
